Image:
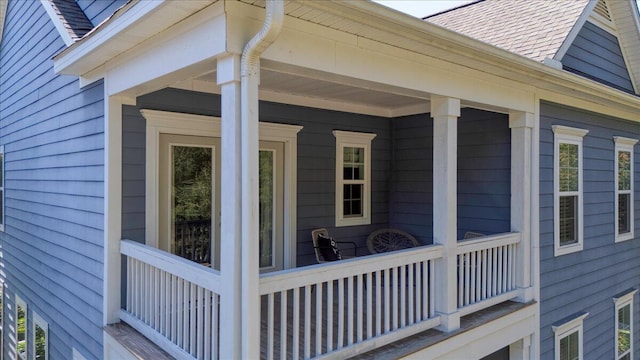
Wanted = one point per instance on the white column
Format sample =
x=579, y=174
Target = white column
x=445, y=113
x=230, y=212
x=112, y=207
x=521, y=124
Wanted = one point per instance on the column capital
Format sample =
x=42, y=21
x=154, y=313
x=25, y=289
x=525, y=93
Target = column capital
x=520, y=119
x=228, y=69
x=445, y=106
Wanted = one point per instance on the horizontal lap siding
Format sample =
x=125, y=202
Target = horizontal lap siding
x=484, y=172
x=596, y=54
x=98, y=10
x=316, y=161
x=587, y=280
x=411, y=207
x=53, y=133
x=133, y=174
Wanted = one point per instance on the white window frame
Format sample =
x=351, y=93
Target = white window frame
x=621, y=301
x=624, y=144
x=356, y=140
x=23, y=304
x=2, y=180
x=39, y=321
x=574, y=136
x=567, y=328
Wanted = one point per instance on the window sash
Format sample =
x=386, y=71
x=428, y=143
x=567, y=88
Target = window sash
x=570, y=346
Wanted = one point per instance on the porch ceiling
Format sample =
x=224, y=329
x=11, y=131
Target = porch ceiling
x=335, y=94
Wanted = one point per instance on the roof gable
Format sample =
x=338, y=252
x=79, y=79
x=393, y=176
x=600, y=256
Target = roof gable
x=69, y=19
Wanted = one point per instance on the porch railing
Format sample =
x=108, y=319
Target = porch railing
x=331, y=310
x=344, y=307
x=172, y=301
x=486, y=271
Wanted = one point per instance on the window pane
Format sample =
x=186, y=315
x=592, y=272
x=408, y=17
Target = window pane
x=192, y=202
x=568, y=220
x=624, y=170
x=569, y=349
x=353, y=163
x=568, y=167
x=347, y=154
x=22, y=332
x=41, y=343
x=266, y=208
x=624, y=327
x=352, y=205
x=624, y=213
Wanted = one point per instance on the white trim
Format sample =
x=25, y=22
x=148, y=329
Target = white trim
x=199, y=125
x=626, y=145
x=621, y=301
x=39, y=321
x=2, y=188
x=356, y=140
x=567, y=135
x=23, y=304
x=55, y=18
x=567, y=328
x=2, y=318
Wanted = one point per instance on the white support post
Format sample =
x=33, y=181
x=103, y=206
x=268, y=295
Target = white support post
x=112, y=207
x=521, y=124
x=250, y=300
x=520, y=350
x=230, y=215
x=445, y=113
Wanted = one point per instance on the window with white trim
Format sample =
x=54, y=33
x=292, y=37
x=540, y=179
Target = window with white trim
x=567, y=183
x=624, y=325
x=1, y=188
x=40, y=337
x=568, y=336
x=624, y=187
x=353, y=178
x=21, y=328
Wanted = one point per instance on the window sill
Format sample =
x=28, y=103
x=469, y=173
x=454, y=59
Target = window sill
x=624, y=237
x=567, y=249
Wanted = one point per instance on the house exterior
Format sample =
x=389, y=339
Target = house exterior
x=163, y=164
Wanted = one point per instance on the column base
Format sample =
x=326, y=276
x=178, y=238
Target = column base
x=449, y=322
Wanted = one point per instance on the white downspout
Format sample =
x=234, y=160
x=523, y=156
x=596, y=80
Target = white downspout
x=249, y=80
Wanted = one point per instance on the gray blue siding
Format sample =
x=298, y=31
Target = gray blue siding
x=133, y=174
x=484, y=175
x=98, y=10
x=596, y=54
x=53, y=133
x=587, y=280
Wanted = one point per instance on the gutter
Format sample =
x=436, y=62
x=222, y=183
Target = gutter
x=249, y=80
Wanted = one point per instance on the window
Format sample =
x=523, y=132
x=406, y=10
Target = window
x=353, y=178
x=1, y=188
x=21, y=328
x=624, y=187
x=568, y=337
x=568, y=199
x=40, y=341
x=624, y=324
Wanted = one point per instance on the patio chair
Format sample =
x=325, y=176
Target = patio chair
x=385, y=240
x=326, y=248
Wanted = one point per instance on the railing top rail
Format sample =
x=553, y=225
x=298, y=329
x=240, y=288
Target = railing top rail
x=488, y=242
x=297, y=277
x=198, y=274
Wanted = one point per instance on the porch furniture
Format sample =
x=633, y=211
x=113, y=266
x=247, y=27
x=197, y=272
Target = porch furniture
x=385, y=240
x=472, y=234
x=326, y=248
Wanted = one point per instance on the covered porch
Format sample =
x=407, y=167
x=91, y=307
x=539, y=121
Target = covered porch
x=446, y=159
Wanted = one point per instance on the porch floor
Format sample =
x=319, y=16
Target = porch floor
x=417, y=342
x=139, y=346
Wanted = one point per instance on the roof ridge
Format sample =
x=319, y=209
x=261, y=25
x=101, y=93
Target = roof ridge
x=452, y=9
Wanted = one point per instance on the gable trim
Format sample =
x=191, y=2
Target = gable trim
x=55, y=18
x=575, y=30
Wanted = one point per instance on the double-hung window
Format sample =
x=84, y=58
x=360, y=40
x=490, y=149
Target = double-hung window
x=21, y=328
x=40, y=340
x=353, y=178
x=624, y=187
x=568, y=337
x=568, y=198
x=624, y=325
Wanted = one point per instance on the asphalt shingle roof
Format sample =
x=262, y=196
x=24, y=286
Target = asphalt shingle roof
x=532, y=28
x=72, y=17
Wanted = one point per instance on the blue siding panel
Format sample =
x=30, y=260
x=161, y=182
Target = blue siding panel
x=53, y=133
x=596, y=54
x=98, y=10
x=587, y=280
